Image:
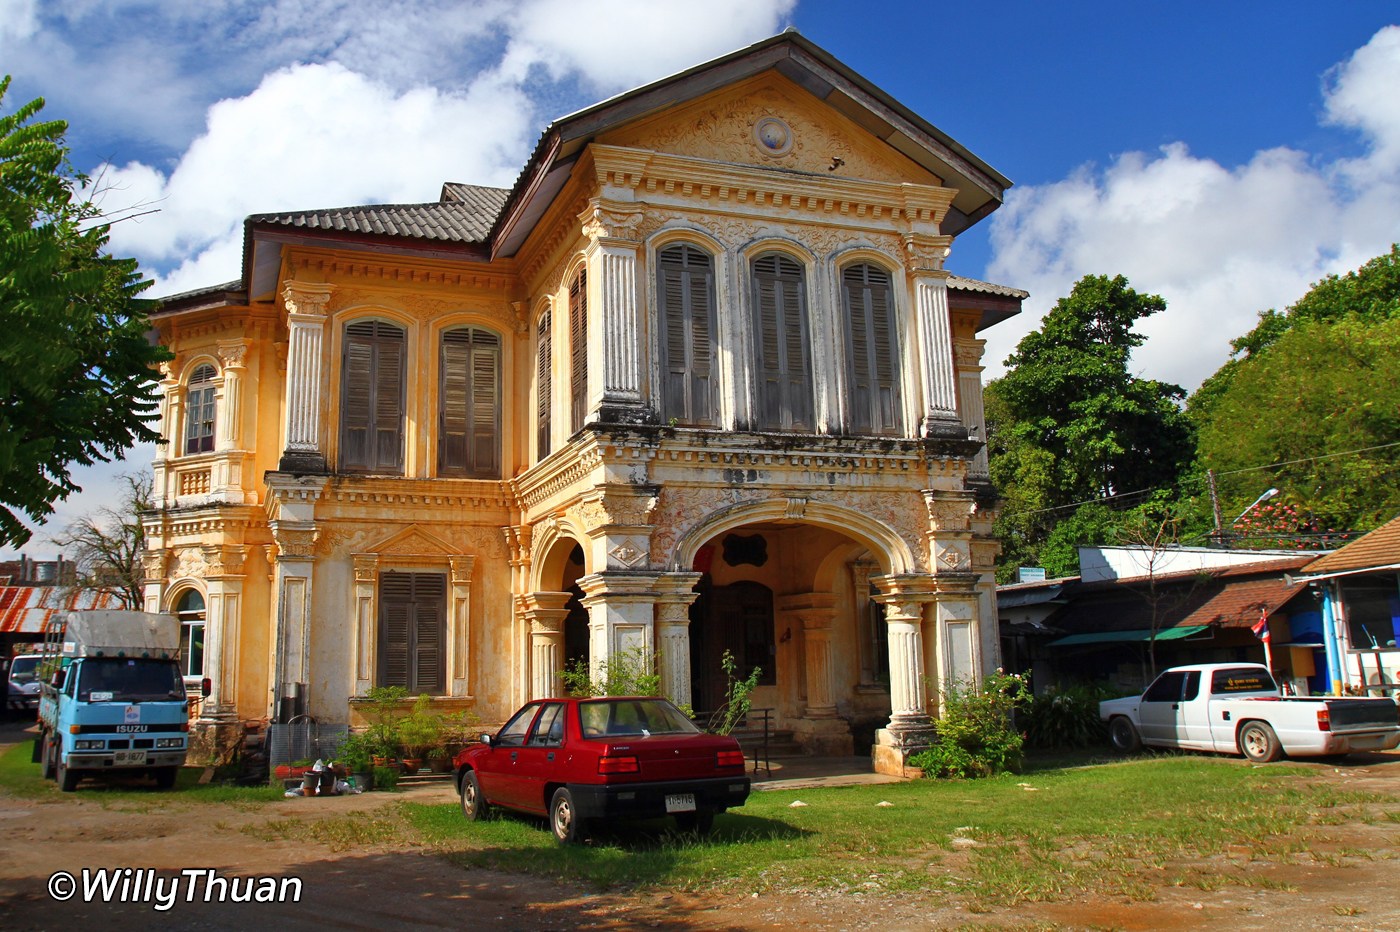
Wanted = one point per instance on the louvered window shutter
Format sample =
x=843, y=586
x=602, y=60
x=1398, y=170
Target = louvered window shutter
x=199, y=419
x=784, y=362
x=470, y=404
x=578, y=350
x=873, y=352
x=688, y=328
x=372, y=398
x=544, y=383
x=413, y=631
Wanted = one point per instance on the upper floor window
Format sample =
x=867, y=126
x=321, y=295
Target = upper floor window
x=872, y=364
x=470, y=404
x=199, y=410
x=686, y=288
x=781, y=353
x=372, y=398
x=544, y=383
x=578, y=350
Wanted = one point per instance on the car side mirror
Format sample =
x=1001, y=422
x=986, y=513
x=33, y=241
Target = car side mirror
x=487, y=740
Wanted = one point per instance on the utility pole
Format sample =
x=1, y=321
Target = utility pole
x=1218, y=537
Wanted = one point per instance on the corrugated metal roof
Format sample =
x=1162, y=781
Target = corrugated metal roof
x=464, y=215
x=26, y=609
x=1381, y=547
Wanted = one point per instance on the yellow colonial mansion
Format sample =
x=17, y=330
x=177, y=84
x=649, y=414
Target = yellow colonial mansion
x=698, y=382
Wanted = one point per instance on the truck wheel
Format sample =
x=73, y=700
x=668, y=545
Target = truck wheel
x=50, y=756
x=1123, y=735
x=564, y=819
x=67, y=778
x=38, y=754
x=699, y=822
x=474, y=807
x=165, y=777
x=1259, y=743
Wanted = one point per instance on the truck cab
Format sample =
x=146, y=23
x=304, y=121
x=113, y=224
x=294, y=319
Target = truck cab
x=113, y=699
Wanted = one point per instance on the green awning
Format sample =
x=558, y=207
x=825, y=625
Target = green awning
x=1142, y=634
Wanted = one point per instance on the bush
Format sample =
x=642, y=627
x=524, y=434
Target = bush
x=1067, y=718
x=977, y=736
x=629, y=673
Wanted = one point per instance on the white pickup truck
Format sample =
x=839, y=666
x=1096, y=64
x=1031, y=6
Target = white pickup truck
x=1236, y=708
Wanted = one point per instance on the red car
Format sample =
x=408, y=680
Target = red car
x=579, y=760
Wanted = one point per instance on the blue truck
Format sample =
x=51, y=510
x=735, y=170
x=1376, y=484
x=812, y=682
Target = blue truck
x=112, y=699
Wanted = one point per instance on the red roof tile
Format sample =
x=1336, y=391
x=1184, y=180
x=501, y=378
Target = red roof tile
x=1381, y=547
x=25, y=609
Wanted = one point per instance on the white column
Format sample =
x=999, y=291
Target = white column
x=905, y=599
x=675, y=594
x=620, y=615
x=934, y=333
x=301, y=426
x=459, y=626
x=546, y=612
x=366, y=569
x=968, y=354
x=815, y=611
x=221, y=631
x=614, y=327
x=293, y=504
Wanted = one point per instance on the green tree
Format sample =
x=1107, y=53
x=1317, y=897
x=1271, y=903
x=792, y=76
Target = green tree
x=75, y=363
x=1069, y=423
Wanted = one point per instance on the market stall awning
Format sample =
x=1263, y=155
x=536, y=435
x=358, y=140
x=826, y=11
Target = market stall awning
x=1140, y=634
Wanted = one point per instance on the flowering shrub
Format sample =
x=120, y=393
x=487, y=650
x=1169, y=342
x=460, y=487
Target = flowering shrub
x=1282, y=526
x=1066, y=718
x=977, y=736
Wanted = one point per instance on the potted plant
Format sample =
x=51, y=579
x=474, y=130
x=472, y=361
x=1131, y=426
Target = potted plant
x=385, y=719
x=420, y=730
x=356, y=756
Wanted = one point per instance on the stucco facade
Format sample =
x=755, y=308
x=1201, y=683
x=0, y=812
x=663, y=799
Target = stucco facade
x=699, y=381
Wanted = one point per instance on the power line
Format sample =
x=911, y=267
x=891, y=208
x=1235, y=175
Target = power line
x=1308, y=459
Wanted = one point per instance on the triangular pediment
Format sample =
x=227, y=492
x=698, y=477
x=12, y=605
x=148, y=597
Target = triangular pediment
x=769, y=122
x=412, y=541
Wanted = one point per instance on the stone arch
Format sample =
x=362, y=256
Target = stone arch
x=892, y=552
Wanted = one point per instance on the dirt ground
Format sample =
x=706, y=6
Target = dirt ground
x=418, y=889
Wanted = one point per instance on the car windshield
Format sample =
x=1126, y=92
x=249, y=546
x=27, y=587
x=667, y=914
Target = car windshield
x=609, y=717
x=121, y=679
x=23, y=669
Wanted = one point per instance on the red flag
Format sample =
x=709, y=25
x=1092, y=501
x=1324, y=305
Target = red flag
x=1261, y=627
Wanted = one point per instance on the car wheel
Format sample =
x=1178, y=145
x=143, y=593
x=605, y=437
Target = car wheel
x=1259, y=743
x=698, y=823
x=564, y=819
x=165, y=777
x=474, y=807
x=1123, y=734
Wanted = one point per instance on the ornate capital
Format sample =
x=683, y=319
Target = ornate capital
x=153, y=563
x=609, y=220
x=294, y=542
x=308, y=298
x=223, y=561
x=950, y=514
x=926, y=253
x=968, y=354
x=366, y=567
x=233, y=353
x=462, y=569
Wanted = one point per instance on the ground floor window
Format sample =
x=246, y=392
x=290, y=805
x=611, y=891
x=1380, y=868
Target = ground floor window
x=189, y=608
x=413, y=631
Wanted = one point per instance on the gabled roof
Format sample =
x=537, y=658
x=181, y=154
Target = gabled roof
x=482, y=223
x=26, y=609
x=1380, y=548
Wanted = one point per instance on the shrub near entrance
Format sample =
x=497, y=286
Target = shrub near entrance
x=977, y=736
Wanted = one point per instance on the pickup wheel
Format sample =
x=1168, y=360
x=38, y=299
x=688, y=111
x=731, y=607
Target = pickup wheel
x=564, y=819
x=474, y=806
x=1259, y=743
x=1123, y=735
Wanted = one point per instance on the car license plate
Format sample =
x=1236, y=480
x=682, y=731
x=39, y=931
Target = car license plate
x=680, y=802
x=129, y=758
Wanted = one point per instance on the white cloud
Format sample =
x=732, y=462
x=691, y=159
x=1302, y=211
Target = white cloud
x=1219, y=244
x=18, y=19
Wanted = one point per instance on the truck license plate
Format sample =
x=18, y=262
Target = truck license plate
x=680, y=802
x=129, y=758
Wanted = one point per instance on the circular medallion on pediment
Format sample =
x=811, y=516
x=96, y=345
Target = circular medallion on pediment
x=774, y=137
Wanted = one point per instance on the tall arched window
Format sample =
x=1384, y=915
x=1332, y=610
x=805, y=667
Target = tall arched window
x=199, y=410
x=686, y=290
x=371, y=398
x=544, y=384
x=872, y=350
x=469, y=414
x=190, y=610
x=578, y=350
x=783, y=360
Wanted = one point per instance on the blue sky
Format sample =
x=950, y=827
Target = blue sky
x=1224, y=156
